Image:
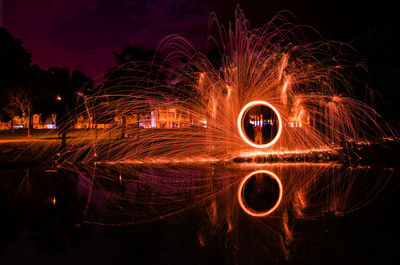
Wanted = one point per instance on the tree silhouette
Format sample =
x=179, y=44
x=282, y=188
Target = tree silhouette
x=379, y=48
x=15, y=69
x=64, y=100
x=137, y=70
x=19, y=104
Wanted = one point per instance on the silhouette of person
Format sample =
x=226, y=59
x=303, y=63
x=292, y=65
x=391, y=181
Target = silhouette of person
x=258, y=134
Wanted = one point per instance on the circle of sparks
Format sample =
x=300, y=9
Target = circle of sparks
x=250, y=211
x=240, y=124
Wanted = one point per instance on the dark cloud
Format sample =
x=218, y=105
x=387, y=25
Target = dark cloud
x=112, y=23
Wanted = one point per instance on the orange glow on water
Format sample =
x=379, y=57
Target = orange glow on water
x=243, y=204
x=286, y=152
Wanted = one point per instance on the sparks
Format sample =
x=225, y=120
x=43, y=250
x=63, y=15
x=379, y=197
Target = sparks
x=243, y=205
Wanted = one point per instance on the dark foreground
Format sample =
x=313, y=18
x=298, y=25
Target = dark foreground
x=125, y=216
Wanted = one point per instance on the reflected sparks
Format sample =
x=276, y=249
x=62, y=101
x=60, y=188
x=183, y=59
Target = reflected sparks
x=260, y=193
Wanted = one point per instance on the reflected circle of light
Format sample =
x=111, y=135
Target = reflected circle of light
x=240, y=123
x=240, y=194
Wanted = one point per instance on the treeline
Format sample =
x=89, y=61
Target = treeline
x=26, y=89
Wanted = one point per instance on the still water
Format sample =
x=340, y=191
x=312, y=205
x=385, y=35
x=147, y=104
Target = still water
x=199, y=214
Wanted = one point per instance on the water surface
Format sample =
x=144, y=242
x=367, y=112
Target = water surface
x=190, y=214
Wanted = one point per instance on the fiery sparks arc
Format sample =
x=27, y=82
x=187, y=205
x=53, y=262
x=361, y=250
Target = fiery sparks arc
x=240, y=123
x=182, y=107
x=163, y=135
x=240, y=194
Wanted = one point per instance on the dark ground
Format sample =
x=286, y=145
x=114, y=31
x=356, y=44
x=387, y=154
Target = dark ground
x=36, y=231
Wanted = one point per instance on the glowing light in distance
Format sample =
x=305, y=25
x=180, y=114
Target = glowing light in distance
x=241, y=188
x=241, y=129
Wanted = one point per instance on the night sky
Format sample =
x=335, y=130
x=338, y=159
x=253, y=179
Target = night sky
x=82, y=34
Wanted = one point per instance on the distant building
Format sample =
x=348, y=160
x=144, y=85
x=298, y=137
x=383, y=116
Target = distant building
x=166, y=116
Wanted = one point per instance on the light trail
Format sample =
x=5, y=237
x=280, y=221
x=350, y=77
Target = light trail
x=240, y=123
x=243, y=205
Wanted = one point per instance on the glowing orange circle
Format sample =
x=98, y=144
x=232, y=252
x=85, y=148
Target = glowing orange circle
x=240, y=123
x=240, y=194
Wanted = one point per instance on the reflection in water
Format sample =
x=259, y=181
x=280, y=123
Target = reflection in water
x=312, y=192
x=201, y=201
x=260, y=193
